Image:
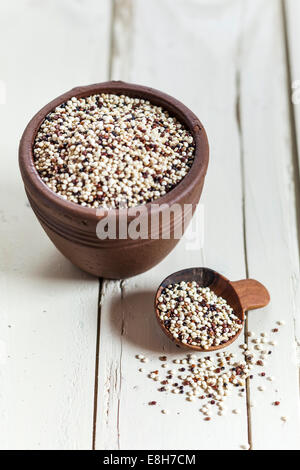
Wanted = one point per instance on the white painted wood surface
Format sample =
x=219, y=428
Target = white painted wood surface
x=220, y=44
x=271, y=236
x=226, y=60
x=291, y=13
x=140, y=331
x=292, y=17
x=48, y=308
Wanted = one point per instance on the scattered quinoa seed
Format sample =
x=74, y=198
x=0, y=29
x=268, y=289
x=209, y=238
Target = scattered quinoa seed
x=163, y=358
x=209, y=378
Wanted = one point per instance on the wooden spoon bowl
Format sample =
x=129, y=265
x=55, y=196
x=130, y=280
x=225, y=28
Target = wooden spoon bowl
x=247, y=294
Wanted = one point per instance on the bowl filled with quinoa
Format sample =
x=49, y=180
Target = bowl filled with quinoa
x=113, y=151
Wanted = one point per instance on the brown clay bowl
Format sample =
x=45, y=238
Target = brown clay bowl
x=72, y=228
x=247, y=294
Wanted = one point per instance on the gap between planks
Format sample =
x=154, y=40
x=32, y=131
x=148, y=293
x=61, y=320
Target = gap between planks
x=295, y=175
x=294, y=143
x=97, y=366
x=116, y=6
x=121, y=286
x=243, y=184
x=292, y=121
x=241, y=143
x=116, y=9
x=113, y=11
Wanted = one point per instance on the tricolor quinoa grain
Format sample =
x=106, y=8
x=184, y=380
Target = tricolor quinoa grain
x=112, y=151
x=211, y=379
x=195, y=315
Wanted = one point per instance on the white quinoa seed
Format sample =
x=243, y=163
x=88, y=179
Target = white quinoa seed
x=245, y=446
x=196, y=315
x=112, y=151
x=211, y=379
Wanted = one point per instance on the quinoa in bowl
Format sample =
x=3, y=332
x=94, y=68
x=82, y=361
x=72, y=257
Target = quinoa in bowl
x=112, y=151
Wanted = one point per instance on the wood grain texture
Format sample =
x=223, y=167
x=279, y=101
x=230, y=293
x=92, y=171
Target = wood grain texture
x=188, y=34
x=252, y=294
x=270, y=223
x=225, y=60
x=291, y=18
x=48, y=308
x=291, y=10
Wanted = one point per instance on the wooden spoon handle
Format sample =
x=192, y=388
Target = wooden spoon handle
x=252, y=293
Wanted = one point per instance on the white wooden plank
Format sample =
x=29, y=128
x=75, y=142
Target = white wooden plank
x=292, y=17
x=270, y=218
x=291, y=12
x=192, y=55
x=48, y=309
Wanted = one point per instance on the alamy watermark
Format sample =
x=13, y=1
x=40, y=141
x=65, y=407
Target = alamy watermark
x=157, y=221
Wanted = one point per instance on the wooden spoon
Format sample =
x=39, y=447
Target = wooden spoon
x=244, y=295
